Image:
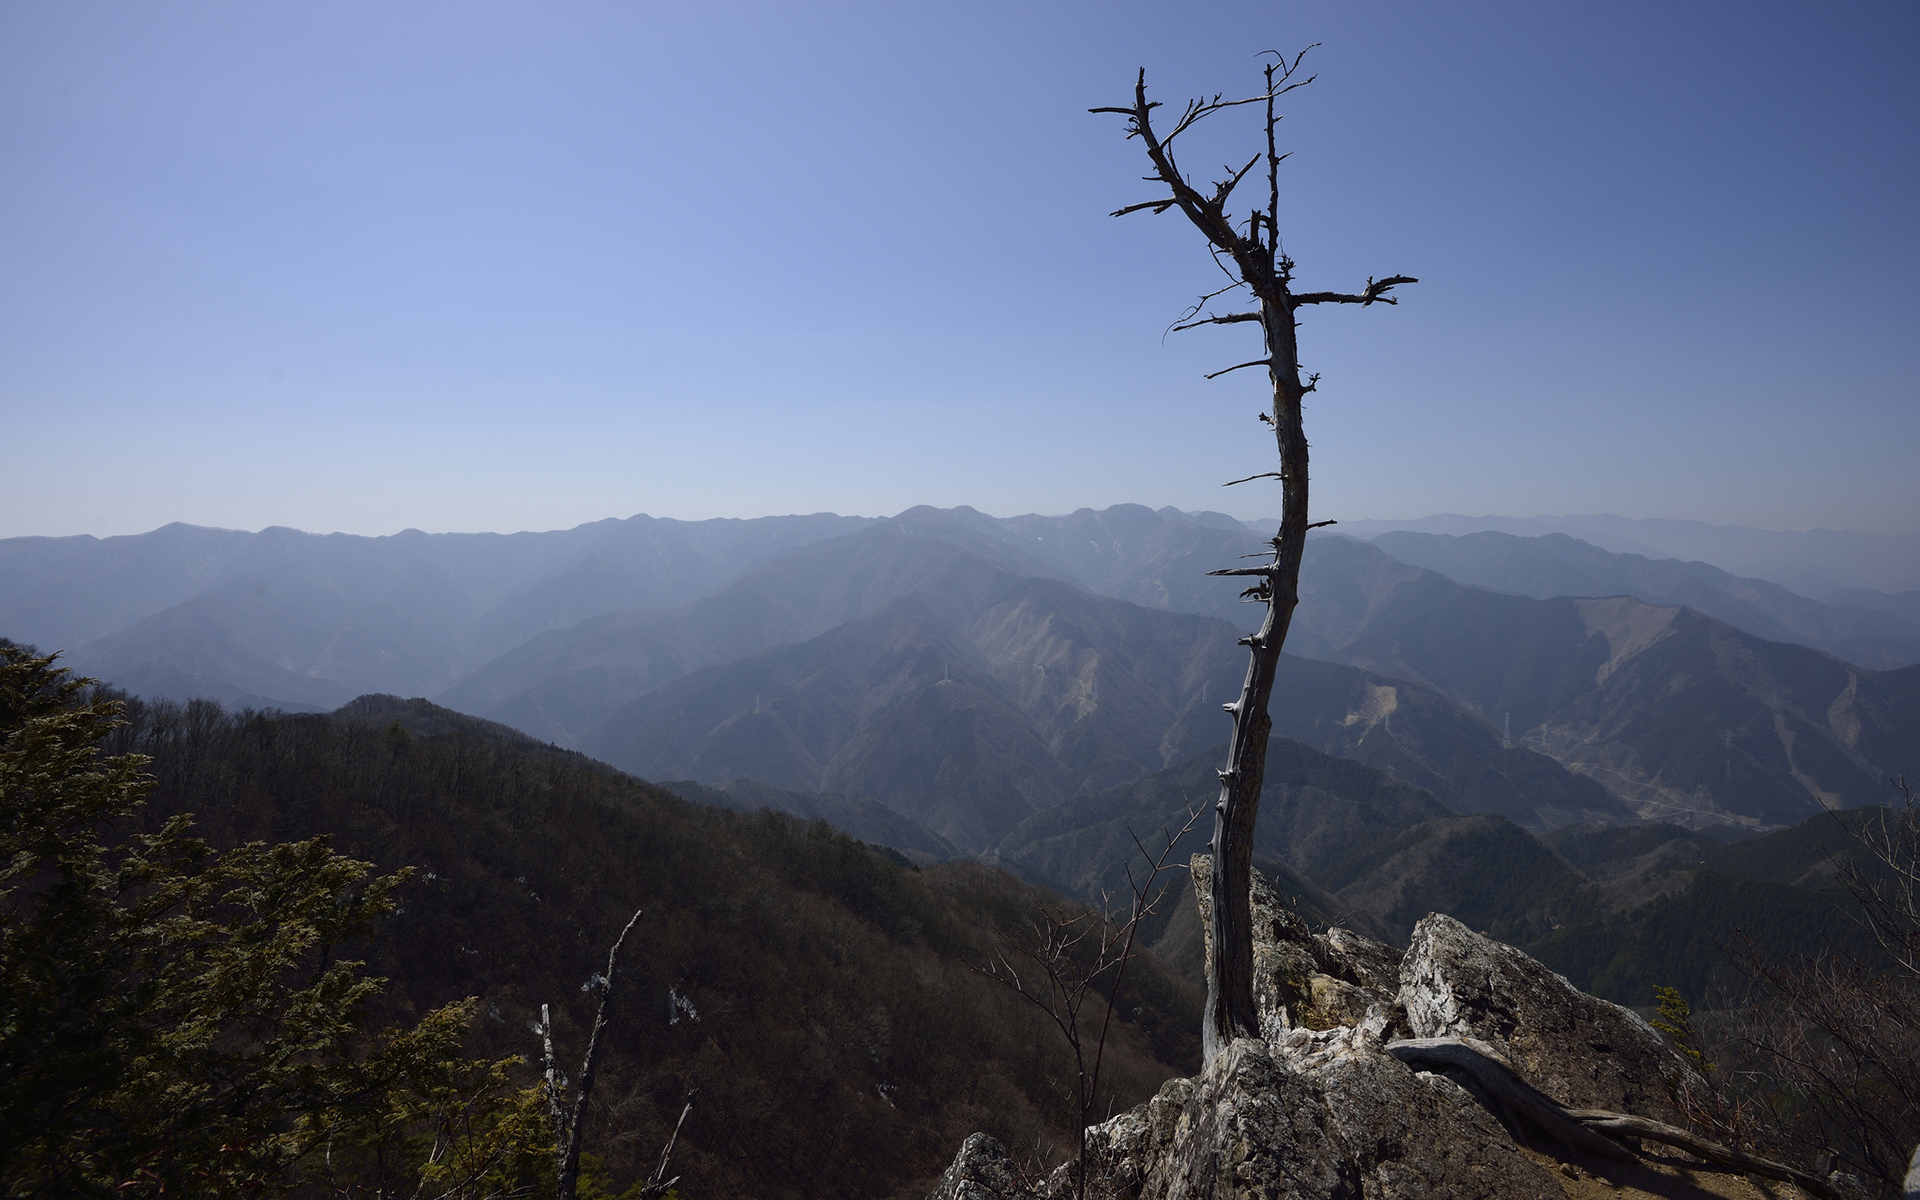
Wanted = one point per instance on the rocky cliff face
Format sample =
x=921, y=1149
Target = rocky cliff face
x=1351, y=1093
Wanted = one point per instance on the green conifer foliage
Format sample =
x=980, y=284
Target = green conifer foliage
x=175, y=1021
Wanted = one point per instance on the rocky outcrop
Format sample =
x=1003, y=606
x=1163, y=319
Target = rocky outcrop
x=1408, y=1133
x=1304, y=980
x=1252, y=1126
x=983, y=1170
x=1582, y=1051
x=1320, y=1113
x=1379, y=1075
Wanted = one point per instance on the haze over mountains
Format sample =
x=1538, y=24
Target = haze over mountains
x=1815, y=563
x=1871, y=633
x=969, y=672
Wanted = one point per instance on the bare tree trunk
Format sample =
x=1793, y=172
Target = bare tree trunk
x=567, y=1127
x=1254, y=261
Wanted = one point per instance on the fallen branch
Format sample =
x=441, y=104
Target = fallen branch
x=1700, y=1148
x=1584, y=1128
x=1516, y=1094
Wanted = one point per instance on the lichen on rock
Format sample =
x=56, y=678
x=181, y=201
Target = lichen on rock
x=1302, y=979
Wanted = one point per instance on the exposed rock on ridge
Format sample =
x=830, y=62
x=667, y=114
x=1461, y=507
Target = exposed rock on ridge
x=1581, y=1051
x=1319, y=1106
x=1302, y=979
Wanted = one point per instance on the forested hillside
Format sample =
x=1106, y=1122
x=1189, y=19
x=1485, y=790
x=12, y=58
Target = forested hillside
x=815, y=991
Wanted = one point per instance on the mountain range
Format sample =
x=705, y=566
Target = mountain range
x=1557, y=565
x=1675, y=713
x=1813, y=562
x=969, y=672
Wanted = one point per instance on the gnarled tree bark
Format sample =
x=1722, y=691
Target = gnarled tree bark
x=1249, y=252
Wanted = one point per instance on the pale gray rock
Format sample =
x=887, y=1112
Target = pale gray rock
x=1582, y=1051
x=1320, y=1109
x=1410, y=1135
x=1251, y=1129
x=1302, y=979
x=983, y=1170
x=1362, y=961
x=1122, y=1151
x=1322, y=1114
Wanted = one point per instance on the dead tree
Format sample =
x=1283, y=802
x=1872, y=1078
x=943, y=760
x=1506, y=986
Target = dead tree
x=1838, y=1037
x=567, y=1126
x=1073, y=951
x=1249, y=252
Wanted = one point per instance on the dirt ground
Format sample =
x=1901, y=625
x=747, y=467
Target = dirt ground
x=1656, y=1178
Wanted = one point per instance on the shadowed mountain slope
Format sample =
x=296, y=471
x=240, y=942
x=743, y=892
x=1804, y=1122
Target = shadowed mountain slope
x=256, y=640
x=1314, y=810
x=1365, y=850
x=1416, y=734
x=1483, y=870
x=966, y=705
x=816, y=993
x=869, y=820
x=1778, y=895
x=562, y=683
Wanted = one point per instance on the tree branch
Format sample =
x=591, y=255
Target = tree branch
x=657, y=1186
x=1250, y=479
x=1700, y=1148
x=1158, y=206
x=1225, y=189
x=555, y=1112
x=1258, y=362
x=1375, y=291
x=1230, y=319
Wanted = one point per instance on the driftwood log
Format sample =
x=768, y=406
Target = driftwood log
x=1497, y=1085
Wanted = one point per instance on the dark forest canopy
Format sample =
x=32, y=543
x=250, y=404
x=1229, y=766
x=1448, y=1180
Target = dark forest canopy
x=814, y=989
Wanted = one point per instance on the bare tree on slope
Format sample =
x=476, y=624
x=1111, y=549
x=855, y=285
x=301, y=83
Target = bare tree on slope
x=1249, y=252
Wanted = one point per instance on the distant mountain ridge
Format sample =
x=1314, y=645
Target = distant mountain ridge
x=1040, y=682
x=221, y=611
x=1673, y=712
x=1815, y=563
x=1558, y=565
x=965, y=705
x=970, y=670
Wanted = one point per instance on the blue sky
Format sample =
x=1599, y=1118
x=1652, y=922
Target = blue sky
x=499, y=266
